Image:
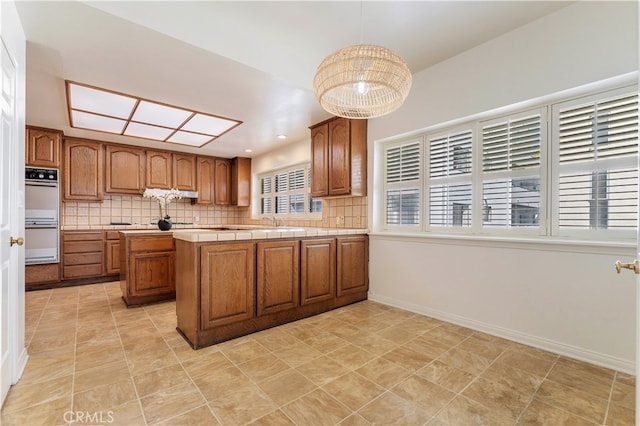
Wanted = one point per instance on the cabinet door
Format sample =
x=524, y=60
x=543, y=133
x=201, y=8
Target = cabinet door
x=205, y=180
x=152, y=273
x=83, y=170
x=317, y=270
x=125, y=170
x=339, y=157
x=241, y=182
x=43, y=148
x=112, y=257
x=184, y=172
x=227, y=284
x=159, y=169
x=320, y=161
x=222, y=178
x=353, y=264
x=277, y=276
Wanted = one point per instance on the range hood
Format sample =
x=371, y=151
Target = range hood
x=183, y=194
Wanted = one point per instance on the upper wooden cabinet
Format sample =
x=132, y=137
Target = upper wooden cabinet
x=125, y=170
x=184, y=172
x=159, y=169
x=222, y=181
x=204, y=171
x=83, y=170
x=42, y=148
x=339, y=158
x=241, y=182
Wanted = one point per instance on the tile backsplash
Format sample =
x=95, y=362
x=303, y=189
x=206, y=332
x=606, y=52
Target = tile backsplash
x=347, y=212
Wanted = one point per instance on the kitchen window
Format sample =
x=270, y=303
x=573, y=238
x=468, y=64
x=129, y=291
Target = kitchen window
x=567, y=169
x=286, y=193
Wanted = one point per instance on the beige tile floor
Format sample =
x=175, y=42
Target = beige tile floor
x=92, y=360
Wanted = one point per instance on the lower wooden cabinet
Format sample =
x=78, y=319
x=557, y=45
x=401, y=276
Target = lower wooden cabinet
x=81, y=254
x=148, y=268
x=229, y=289
x=277, y=280
x=227, y=283
x=353, y=265
x=112, y=253
x=317, y=270
x=38, y=274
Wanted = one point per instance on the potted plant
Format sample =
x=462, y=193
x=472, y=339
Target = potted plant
x=164, y=198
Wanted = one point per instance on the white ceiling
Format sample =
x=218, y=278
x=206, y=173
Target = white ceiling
x=250, y=61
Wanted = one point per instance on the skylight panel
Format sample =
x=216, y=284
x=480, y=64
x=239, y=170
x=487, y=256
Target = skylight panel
x=83, y=120
x=161, y=115
x=102, y=110
x=98, y=101
x=188, y=138
x=148, y=132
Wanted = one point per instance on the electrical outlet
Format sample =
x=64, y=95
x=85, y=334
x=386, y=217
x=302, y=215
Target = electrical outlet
x=356, y=220
x=339, y=220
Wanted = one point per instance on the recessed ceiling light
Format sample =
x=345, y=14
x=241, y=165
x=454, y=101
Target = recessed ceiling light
x=102, y=110
x=248, y=150
x=282, y=136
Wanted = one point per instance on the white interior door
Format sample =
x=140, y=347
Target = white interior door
x=8, y=257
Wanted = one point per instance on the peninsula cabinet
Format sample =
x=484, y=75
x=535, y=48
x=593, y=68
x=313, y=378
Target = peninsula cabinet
x=339, y=158
x=317, y=270
x=277, y=276
x=159, y=169
x=227, y=289
x=125, y=170
x=42, y=148
x=352, y=265
x=83, y=170
x=184, y=172
x=147, y=271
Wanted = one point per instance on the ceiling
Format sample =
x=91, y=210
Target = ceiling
x=249, y=61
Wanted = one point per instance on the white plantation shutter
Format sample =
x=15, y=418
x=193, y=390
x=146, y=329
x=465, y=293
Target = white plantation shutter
x=287, y=192
x=511, y=167
x=450, y=188
x=596, y=141
x=402, y=185
x=266, y=201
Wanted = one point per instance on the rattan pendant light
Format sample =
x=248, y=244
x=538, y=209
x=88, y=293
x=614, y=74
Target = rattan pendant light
x=362, y=81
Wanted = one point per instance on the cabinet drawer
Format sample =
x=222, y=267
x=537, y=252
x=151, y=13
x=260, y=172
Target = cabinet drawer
x=82, y=246
x=78, y=271
x=113, y=235
x=82, y=258
x=152, y=244
x=82, y=236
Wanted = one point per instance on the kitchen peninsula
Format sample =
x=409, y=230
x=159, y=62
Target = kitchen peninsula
x=233, y=282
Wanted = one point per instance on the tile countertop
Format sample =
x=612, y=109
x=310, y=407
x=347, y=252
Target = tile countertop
x=252, y=233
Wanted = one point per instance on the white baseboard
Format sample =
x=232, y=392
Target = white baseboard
x=21, y=364
x=603, y=360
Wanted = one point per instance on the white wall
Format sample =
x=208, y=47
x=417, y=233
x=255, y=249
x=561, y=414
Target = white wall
x=565, y=298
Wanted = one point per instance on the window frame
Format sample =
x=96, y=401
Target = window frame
x=306, y=190
x=547, y=172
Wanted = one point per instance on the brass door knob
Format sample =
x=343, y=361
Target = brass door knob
x=635, y=266
x=19, y=241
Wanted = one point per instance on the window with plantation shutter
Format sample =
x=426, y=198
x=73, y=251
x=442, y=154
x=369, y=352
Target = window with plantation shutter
x=511, y=170
x=287, y=193
x=596, y=149
x=402, y=184
x=450, y=179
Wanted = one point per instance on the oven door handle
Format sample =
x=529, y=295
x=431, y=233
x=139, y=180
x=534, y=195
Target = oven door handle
x=53, y=184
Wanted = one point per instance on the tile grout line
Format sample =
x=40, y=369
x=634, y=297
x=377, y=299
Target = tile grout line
x=533, y=395
x=124, y=352
x=606, y=412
